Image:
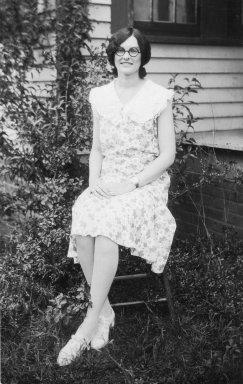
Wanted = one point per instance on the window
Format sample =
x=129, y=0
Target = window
x=167, y=17
x=216, y=22
x=166, y=11
x=209, y=22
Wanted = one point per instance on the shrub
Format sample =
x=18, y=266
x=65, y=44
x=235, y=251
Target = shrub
x=45, y=162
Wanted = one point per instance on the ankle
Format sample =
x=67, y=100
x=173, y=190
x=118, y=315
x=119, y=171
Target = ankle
x=92, y=315
x=106, y=311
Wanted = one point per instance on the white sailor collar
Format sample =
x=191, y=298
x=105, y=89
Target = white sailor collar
x=146, y=104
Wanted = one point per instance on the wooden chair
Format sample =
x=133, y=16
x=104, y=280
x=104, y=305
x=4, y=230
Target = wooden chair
x=163, y=279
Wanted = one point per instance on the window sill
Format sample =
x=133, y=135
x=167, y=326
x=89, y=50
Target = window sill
x=193, y=40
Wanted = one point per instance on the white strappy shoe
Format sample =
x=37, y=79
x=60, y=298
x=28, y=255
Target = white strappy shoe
x=74, y=347
x=101, y=337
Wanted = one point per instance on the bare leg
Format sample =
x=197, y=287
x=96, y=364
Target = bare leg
x=85, y=252
x=106, y=257
x=104, y=270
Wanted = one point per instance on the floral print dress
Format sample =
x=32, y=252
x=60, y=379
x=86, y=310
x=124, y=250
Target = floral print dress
x=140, y=219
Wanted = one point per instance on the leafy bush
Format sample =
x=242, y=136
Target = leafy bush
x=49, y=174
x=63, y=309
x=45, y=162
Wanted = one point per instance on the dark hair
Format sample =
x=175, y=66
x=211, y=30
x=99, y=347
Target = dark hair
x=119, y=37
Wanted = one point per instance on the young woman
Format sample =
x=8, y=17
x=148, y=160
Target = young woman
x=125, y=203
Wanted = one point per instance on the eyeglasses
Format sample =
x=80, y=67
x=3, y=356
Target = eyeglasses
x=132, y=51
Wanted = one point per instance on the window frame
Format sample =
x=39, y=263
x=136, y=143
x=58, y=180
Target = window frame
x=216, y=24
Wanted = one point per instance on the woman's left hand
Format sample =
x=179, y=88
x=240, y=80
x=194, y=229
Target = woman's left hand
x=115, y=188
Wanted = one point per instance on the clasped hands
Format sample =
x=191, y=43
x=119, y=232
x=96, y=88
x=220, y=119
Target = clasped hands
x=108, y=189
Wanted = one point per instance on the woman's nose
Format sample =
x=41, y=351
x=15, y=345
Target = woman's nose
x=126, y=55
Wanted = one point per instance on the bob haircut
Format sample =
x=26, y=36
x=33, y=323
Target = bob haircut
x=122, y=35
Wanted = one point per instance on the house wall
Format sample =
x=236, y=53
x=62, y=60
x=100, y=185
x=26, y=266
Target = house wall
x=220, y=102
x=210, y=208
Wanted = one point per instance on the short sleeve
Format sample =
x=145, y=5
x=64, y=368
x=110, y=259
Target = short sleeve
x=163, y=98
x=170, y=94
x=95, y=100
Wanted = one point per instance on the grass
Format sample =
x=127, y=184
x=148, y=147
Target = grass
x=144, y=348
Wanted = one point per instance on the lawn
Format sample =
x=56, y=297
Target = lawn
x=144, y=348
x=144, y=345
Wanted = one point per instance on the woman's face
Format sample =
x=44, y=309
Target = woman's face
x=127, y=64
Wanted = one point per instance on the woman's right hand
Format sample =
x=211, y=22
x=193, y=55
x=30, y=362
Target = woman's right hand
x=99, y=188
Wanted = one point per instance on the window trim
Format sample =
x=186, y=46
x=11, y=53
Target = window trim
x=203, y=34
x=168, y=29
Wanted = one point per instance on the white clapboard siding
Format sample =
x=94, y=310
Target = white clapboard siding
x=100, y=2
x=100, y=13
x=45, y=75
x=100, y=16
x=209, y=80
x=95, y=44
x=38, y=54
x=195, y=51
x=100, y=30
x=40, y=89
x=49, y=39
x=45, y=5
x=211, y=110
x=178, y=65
x=214, y=124
x=218, y=95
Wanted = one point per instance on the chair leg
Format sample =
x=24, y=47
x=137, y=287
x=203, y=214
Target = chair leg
x=170, y=300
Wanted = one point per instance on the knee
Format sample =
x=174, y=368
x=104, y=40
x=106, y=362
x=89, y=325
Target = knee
x=84, y=242
x=104, y=246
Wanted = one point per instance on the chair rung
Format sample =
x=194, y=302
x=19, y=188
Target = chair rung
x=127, y=303
x=128, y=277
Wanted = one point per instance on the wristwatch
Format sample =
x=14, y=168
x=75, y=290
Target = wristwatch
x=135, y=181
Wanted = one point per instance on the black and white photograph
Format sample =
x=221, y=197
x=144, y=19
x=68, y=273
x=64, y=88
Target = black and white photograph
x=121, y=191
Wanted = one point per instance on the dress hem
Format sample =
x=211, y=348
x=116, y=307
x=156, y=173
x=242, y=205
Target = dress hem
x=155, y=266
